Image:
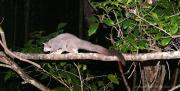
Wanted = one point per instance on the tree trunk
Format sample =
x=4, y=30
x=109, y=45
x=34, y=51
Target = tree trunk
x=153, y=77
x=26, y=18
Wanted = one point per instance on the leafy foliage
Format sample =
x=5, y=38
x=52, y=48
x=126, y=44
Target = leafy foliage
x=140, y=24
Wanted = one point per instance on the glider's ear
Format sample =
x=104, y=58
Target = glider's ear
x=44, y=43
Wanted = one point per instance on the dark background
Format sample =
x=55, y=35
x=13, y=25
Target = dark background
x=21, y=17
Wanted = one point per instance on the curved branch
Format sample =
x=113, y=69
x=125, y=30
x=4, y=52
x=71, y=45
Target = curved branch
x=8, y=52
x=12, y=65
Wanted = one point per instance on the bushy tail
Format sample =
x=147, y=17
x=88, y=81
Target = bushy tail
x=119, y=55
x=99, y=49
x=93, y=47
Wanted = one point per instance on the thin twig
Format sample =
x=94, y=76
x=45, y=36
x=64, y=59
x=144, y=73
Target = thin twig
x=169, y=72
x=2, y=20
x=60, y=80
x=152, y=24
x=80, y=77
x=127, y=72
x=6, y=66
x=67, y=72
x=174, y=88
x=132, y=71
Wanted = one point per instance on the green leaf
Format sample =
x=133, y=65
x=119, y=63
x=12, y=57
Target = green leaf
x=142, y=45
x=108, y=22
x=165, y=41
x=49, y=66
x=93, y=28
x=125, y=47
x=92, y=19
x=115, y=3
x=113, y=79
x=158, y=36
x=79, y=66
x=61, y=25
x=131, y=38
x=128, y=24
x=84, y=67
x=134, y=48
x=129, y=1
x=155, y=17
x=173, y=29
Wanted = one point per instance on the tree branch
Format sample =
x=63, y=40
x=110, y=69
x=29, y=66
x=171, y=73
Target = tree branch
x=95, y=56
x=8, y=52
x=12, y=65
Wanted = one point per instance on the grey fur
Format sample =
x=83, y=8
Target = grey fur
x=70, y=43
x=66, y=42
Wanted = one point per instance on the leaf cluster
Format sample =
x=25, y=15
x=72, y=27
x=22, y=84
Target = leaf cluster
x=143, y=27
